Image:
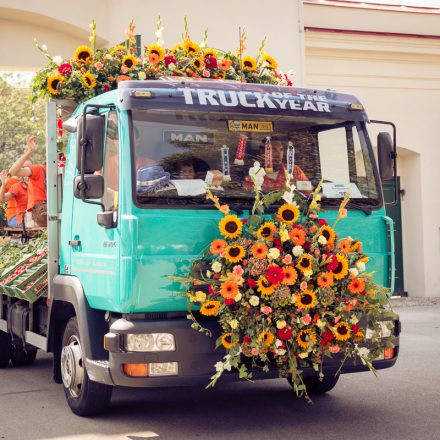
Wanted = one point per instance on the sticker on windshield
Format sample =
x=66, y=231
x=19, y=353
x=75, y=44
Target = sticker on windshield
x=338, y=190
x=258, y=126
x=304, y=185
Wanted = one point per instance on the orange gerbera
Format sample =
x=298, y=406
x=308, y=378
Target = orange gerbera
x=229, y=290
x=224, y=64
x=217, y=246
x=325, y=279
x=357, y=285
x=259, y=250
x=298, y=236
x=344, y=246
x=290, y=275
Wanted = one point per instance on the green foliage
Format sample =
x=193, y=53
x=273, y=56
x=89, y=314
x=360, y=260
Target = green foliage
x=18, y=120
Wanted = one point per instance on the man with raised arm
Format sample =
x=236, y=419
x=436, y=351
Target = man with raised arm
x=23, y=167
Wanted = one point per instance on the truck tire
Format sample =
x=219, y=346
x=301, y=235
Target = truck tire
x=316, y=386
x=21, y=357
x=84, y=396
x=5, y=349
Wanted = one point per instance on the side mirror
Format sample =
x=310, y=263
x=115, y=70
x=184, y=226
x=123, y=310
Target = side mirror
x=93, y=187
x=92, y=141
x=385, y=154
x=107, y=219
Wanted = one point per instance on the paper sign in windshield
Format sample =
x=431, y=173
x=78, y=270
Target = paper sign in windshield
x=258, y=126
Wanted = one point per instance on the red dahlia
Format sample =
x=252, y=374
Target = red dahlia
x=65, y=69
x=275, y=274
x=284, y=333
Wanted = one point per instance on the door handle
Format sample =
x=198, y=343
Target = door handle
x=75, y=243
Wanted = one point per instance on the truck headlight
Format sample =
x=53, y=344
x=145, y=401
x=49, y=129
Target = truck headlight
x=150, y=342
x=386, y=329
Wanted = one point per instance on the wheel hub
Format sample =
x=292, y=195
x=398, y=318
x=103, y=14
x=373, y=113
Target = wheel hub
x=72, y=366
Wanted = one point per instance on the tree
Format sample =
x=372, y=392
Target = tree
x=18, y=120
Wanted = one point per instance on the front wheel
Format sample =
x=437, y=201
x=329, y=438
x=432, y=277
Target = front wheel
x=84, y=396
x=316, y=386
x=5, y=349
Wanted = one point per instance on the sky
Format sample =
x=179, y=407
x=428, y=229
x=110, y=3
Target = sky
x=419, y=3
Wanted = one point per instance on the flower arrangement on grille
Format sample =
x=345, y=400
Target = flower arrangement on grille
x=92, y=71
x=286, y=290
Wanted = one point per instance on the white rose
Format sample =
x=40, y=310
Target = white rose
x=353, y=271
x=200, y=296
x=172, y=66
x=281, y=324
x=142, y=75
x=216, y=266
x=233, y=323
x=278, y=343
x=254, y=300
x=354, y=319
x=297, y=251
x=274, y=253
x=308, y=273
x=57, y=60
x=322, y=240
x=361, y=266
x=238, y=297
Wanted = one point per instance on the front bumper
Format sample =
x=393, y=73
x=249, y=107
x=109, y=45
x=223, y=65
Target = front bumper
x=195, y=353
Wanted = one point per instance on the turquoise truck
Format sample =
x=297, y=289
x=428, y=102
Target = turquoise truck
x=129, y=209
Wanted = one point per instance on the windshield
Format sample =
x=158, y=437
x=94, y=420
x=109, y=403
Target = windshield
x=178, y=155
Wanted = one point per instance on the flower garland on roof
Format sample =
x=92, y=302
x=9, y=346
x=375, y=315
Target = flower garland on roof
x=91, y=72
x=286, y=290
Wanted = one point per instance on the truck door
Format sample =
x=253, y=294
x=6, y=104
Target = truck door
x=95, y=250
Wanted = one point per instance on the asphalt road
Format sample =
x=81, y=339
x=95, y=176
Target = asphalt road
x=404, y=403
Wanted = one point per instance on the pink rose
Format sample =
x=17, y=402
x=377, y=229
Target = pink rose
x=317, y=252
x=98, y=65
x=313, y=215
x=266, y=310
x=254, y=351
x=306, y=319
x=238, y=270
x=303, y=285
x=206, y=73
x=124, y=69
x=334, y=349
x=287, y=259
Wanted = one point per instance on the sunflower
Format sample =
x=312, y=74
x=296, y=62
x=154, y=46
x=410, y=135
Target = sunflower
x=290, y=276
x=191, y=48
x=344, y=246
x=357, y=285
x=227, y=341
x=306, y=337
x=267, y=338
x=210, y=308
x=272, y=64
x=129, y=61
x=88, y=80
x=328, y=233
x=53, y=82
x=198, y=63
x=341, y=269
x=264, y=287
x=306, y=300
x=266, y=230
x=325, y=279
x=298, y=236
x=230, y=226
x=259, y=251
x=229, y=290
x=305, y=263
x=343, y=331
x=249, y=63
x=217, y=246
x=83, y=53
x=288, y=213
x=209, y=53
x=157, y=51
x=356, y=247
x=234, y=253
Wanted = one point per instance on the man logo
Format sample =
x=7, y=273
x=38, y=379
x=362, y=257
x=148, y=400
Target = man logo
x=188, y=137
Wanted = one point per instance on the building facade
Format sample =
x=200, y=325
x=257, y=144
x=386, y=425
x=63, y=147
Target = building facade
x=388, y=56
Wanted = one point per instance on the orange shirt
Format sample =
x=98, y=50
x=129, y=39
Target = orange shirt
x=21, y=197
x=11, y=205
x=36, y=185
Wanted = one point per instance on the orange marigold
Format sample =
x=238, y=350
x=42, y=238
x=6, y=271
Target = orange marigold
x=259, y=250
x=357, y=285
x=217, y=246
